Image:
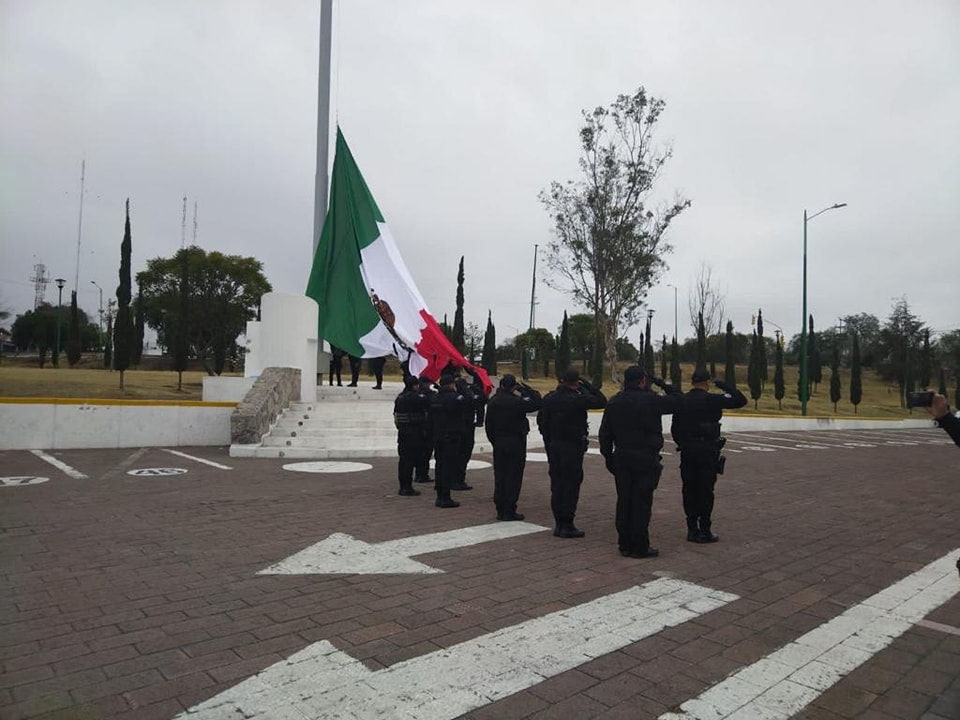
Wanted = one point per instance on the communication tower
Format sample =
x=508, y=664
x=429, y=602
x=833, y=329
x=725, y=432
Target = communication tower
x=39, y=280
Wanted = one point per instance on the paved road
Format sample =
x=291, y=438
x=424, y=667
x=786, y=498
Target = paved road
x=138, y=595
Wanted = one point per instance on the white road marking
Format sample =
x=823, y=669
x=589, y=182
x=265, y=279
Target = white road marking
x=786, y=681
x=323, y=683
x=341, y=554
x=327, y=466
x=751, y=444
x=157, y=471
x=21, y=480
x=811, y=440
x=211, y=463
x=59, y=465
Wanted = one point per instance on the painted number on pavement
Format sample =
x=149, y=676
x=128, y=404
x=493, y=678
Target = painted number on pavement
x=153, y=472
x=18, y=480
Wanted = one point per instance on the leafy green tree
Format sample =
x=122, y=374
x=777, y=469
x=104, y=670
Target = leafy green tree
x=779, y=387
x=137, y=355
x=182, y=319
x=564, y=350
x=730, y=366
x=701, y=343
x=856, y=381
x=815, y=362
x=36, y=328
x=676, y=376
x=835, y=378
x=627, y=351
x=610, y=244
x=582, y=328
x=108, y=341
x=222, y=293
x=926, y=358
x=899, y=337
x=596, y=362
x=867, y=327
x=488, y=359
x=458, y=329
x=538, y=343
x=753, y=371
x=943, y=382
x=73, y=333
x=123, y=330
x=648, y=360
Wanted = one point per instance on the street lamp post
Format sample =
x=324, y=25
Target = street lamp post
x=100, y=324
x=60, y=283
x=676, y=327
x=804, y=385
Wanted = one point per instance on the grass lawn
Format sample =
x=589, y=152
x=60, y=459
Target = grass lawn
x=21, y=378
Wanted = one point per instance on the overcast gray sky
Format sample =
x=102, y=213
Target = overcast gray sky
x=460, y=113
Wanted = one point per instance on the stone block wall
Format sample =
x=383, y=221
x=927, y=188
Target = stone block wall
x=276, y=388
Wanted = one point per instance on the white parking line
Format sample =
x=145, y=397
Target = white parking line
x=807, y=440
x=211, y=463
x=786, y=681
x=750, y=442
x=59, y=465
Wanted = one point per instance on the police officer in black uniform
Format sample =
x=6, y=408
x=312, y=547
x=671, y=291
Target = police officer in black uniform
x=631, y=437
x=410, y=417
x=336, y=364
x=447, y=409
x=562, y=422
x=696, y=431
x=354, y=370
x=423, y=462
x=476, y=400
x=506, y=426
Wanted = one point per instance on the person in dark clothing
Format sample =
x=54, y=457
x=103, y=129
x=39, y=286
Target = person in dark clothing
x=562, y=422
x=631, y=437
x=696, y=431
x=423, y=461
x=410, y=417
x=476, y=400
x=940, y=411
x=447, y=409
x=506, y=426
x=354, y=370
x=336, y=364
x=376, y=365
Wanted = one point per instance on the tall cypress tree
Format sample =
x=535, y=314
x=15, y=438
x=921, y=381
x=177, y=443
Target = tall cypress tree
x=108, y=341
x=664, y=366
x=835, y=377
x=701, y=343
x=925, y=369
x=649, y=363
x=779, y=388
x=489, y=356
x=141, y=327
x=730, y=367
x=856, y=385
x=753, y=371
x=763, y=348
x=815, y=362
x=943, y=382
x=675, y=375
x=123, y=330
x=73, y=332
x=458, y=327
x=564, y=351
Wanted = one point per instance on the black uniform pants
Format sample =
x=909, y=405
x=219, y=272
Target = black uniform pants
x=447, y=453
x=354, y=370
x=566, y=476
x=336, y=365
x=410, y=444
x=423, y=461
x=698, y=471
x=467, y=441
x=637, y=476
x=509, y=459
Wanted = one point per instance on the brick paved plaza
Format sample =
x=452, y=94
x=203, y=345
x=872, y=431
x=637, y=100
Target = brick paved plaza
x=138, y=595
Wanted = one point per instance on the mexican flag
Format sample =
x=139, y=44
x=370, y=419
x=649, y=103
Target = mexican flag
x=369, y=304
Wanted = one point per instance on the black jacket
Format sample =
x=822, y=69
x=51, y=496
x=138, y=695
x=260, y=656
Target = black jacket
x=447, y=410
x=563, y=414
x=951, y=424
x=507, y=413
x=410, y=409
x=696, y=426
x=632, y=421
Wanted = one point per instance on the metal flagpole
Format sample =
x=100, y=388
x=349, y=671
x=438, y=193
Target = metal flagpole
x=321, y=184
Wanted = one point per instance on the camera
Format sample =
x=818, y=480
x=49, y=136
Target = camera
x=920, y=399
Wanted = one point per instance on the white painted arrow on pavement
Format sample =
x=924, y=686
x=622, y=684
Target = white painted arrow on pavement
x=341, y=554
x=323, y=683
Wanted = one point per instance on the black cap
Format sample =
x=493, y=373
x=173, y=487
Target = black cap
x=570, y=375
x=701, y=375
x=411, y=381
x=447, y=379
x=508, y=381
x=634, y=374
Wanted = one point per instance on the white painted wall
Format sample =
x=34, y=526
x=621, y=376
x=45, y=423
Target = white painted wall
x=285, y=336
x=226, y=389
x=64, y=425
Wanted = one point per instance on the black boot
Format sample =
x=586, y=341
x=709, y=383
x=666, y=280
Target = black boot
x=704, y=535
x=509, y=516
x=461, y=486
x=566, y=529
x=406, y=488
x=445, y=501
x=692, y=529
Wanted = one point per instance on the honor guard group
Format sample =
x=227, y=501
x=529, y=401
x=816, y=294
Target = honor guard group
x=440, y=421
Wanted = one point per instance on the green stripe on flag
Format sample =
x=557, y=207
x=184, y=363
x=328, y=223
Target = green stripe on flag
x=346, y=313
